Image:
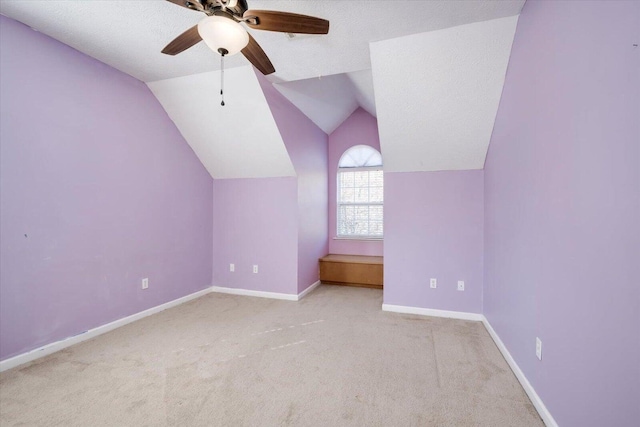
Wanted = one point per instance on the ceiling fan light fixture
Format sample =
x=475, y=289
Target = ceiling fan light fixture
x=219, y=32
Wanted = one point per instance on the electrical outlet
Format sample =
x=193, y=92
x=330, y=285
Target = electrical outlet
x=255, y=269
x=433, y=283
x=538, y=348
x=461, y=285
x=232, y=267
x=145, y=283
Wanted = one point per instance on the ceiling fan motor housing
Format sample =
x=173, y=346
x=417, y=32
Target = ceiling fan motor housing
x=210, y=7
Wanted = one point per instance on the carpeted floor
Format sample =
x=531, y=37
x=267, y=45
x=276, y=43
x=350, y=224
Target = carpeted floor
x=332, y=359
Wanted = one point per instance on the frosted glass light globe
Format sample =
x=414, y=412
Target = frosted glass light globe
x=220, y=32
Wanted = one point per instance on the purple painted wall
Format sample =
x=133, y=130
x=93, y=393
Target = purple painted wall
x=98, y=190
x=279, y=224
x=255, y=223
x=433, y=229
x=562, y=209
x=307, y=146
x=361, y=128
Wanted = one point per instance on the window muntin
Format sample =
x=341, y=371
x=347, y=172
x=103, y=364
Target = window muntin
x=360, y=194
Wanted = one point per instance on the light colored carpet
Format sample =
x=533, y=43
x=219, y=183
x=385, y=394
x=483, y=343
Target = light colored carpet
x=332, y=359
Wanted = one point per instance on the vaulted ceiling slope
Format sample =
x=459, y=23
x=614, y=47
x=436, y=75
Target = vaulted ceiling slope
x=437, y=95
x=329, y=101
x=238, y=140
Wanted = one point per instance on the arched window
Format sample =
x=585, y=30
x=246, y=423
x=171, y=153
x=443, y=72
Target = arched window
x=360, y=193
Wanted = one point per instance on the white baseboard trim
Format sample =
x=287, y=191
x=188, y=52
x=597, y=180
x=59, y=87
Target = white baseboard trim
x=92, y=333
x=535, y=399
x=309, y=289
x=263, y=294
x=433, y=312
x=250, y=293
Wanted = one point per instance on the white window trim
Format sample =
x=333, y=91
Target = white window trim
x=364, y=238
x=363, y=168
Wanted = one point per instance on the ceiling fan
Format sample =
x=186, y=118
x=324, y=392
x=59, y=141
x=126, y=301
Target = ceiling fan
x=222, y=32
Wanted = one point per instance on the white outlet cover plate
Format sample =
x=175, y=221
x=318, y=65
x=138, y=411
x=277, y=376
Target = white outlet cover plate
x=433, y=283
x=461, y=285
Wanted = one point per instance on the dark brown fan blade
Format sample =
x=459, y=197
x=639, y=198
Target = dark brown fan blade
x=285, y=22
x=189, y=4
x=183, y=42
x=254, y=53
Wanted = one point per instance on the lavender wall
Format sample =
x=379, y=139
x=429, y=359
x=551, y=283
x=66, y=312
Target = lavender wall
x=562, y=209
x=255, y=222
x=361, y=128
x=98, y=190
x=433, y=229
x=307, y=146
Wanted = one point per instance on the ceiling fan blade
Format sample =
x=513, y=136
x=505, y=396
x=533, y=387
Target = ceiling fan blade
x=285, y=22
x=183, y=42
x=254, y=53
x=189, y=4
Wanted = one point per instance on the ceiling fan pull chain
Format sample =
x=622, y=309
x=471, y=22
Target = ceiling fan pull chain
x=222, y=77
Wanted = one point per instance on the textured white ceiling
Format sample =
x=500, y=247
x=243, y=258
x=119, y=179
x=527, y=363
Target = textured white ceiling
x=129, y=35
x=437, y=95
x=239, y=140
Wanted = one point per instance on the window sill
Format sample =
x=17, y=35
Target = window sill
x=375, y=239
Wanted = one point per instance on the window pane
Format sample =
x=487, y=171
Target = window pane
x=375, y=178
x=376, y=194
x=361, y=228
x=361, y=179
x=349, y=213
x=375, y=213
x=347, y=195
x=362, y=213
x=375, y=228
x=362, y=195
x=346, y=179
